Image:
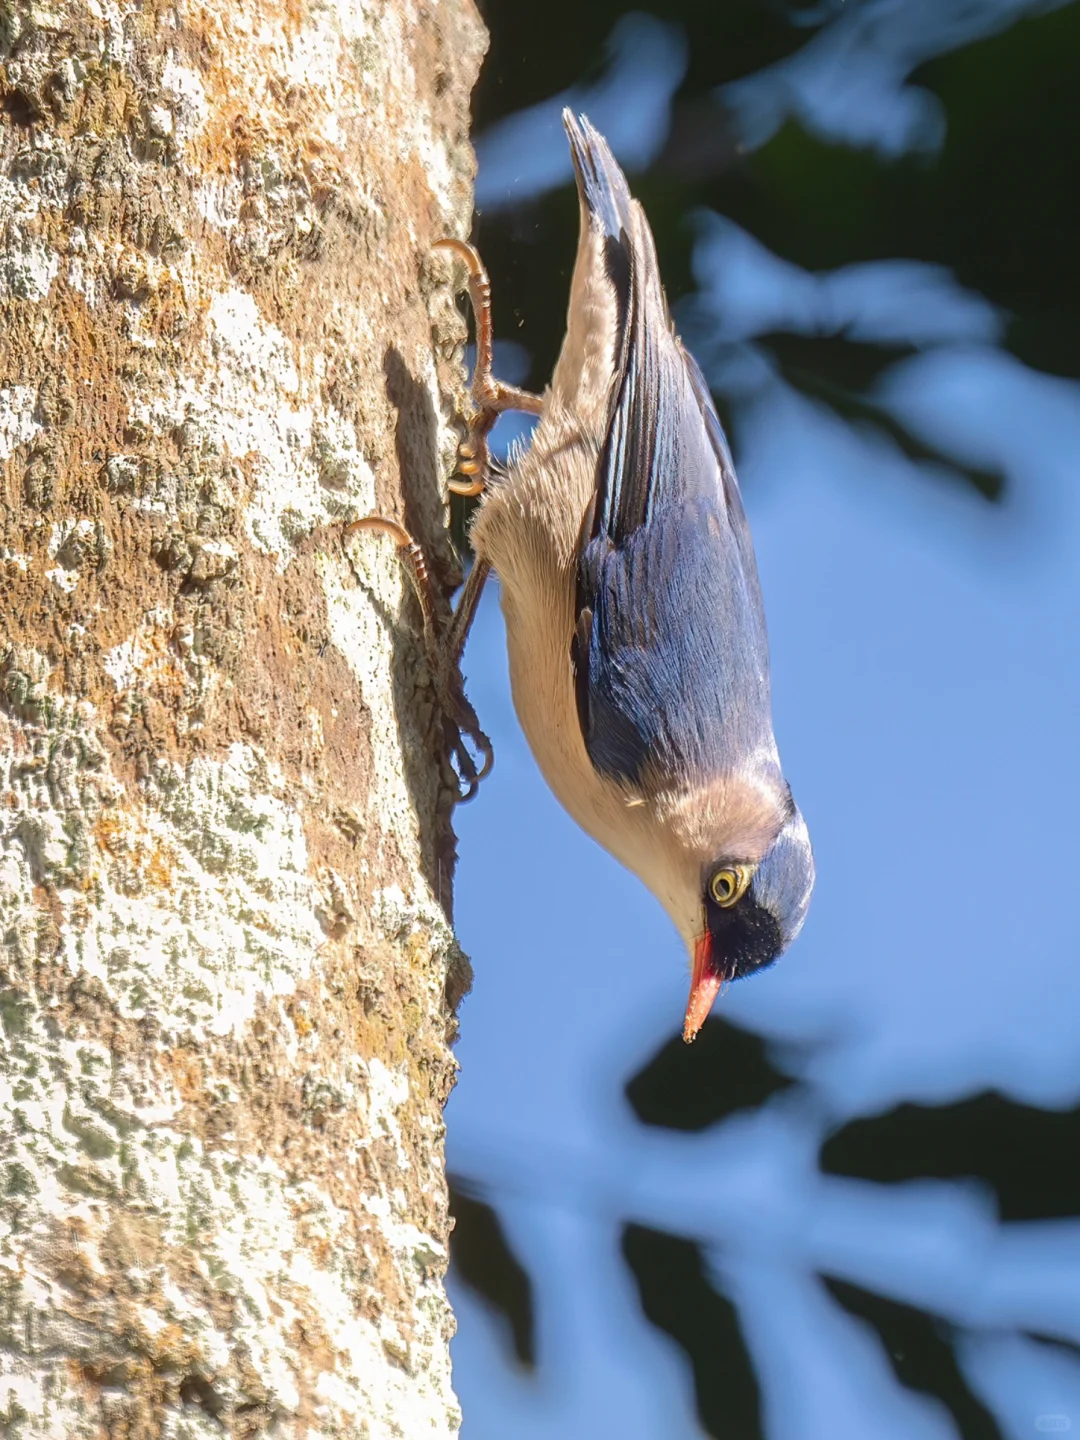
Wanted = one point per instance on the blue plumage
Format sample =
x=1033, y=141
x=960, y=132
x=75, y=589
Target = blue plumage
x=670, y=650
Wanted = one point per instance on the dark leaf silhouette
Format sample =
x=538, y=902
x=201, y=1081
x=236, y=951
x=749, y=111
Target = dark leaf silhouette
x=687, y=1087
x=1030, y=1157
x=920, y=1351
x=678, y=1298
x=482, y=1258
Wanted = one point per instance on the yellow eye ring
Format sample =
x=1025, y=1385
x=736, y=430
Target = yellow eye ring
x=729, y=884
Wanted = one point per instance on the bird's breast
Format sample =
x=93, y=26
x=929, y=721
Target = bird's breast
x=528, y=530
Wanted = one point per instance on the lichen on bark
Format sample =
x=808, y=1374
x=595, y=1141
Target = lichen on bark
x=225, y=852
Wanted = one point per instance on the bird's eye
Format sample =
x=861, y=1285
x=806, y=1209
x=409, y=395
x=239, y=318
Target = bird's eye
x=728, y=884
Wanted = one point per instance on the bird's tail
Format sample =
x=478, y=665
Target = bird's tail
x=601, y=183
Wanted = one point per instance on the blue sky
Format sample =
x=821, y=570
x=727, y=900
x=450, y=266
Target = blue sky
x=927, y=708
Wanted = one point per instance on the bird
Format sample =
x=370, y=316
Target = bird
x=634, y=621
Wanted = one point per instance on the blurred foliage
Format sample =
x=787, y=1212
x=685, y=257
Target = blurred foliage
x=678, y=1298
x=484, y=1261
x=688, y=1087
x=921, y=1353
x=1029, y=1157
x=997, y=205
x=529, y=60
x=815, y=364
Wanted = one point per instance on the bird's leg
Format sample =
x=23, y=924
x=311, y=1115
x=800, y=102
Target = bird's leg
x=465, y=610
x=443, y=650
x=490, y=396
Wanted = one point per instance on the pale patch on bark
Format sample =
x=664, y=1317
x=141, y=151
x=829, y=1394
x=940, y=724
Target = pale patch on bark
x=17, y=423
x=367, y=644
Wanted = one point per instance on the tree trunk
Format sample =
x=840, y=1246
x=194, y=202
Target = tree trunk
x=224, y=799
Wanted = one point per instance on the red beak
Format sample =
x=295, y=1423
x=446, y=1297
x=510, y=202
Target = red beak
x=704, y=987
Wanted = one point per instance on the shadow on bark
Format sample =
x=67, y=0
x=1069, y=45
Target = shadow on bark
x=416, y=445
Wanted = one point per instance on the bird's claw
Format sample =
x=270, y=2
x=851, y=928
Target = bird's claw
x=443, y=653
x=461, y=725
x=490, y=396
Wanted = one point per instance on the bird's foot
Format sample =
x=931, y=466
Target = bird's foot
x=490, y=396
x=443, y=647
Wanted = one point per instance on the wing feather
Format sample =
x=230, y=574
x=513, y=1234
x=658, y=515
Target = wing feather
x=669, y=650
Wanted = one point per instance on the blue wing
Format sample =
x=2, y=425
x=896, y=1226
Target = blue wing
x=670, y=652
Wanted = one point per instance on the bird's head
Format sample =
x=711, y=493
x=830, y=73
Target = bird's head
x=731, y=861
x=748, y=911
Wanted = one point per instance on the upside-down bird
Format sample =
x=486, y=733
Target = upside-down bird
x=634, y=622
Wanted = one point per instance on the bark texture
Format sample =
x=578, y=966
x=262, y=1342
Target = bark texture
x=224, y=820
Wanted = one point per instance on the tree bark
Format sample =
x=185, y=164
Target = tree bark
x=224, y=799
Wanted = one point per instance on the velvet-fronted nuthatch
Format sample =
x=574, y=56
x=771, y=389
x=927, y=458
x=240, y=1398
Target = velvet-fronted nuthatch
x=634, y=622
